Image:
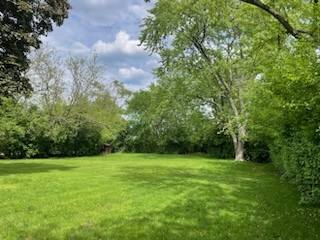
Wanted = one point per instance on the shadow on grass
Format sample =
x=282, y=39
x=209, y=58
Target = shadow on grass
x=29, y=168
x=151, y=156
x=219, y=203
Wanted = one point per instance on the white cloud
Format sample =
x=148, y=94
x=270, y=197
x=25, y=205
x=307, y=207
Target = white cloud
x=139, y=11
x=109, y=28
x=96, y=2
x=80, y=48
x=135, y=78
x=136, y=87
x=122, y=43
x=132, y=72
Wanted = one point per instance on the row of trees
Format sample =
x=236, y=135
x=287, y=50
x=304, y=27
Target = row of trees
x=71, y=112
x=159, y=121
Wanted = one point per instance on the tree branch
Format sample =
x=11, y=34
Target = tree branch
x=291, y=30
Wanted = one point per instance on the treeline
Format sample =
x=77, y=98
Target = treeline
x=28, y=132
x=72, y=111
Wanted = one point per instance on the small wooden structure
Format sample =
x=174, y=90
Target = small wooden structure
x=106, y=149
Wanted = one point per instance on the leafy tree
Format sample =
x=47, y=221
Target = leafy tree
x=162, y=122
x=298, y=18
x=71, y=113
x=200, y=43
x=22, y=23
x=277, y=52
x=12, y=129
x=284, y=99
x=75, y=88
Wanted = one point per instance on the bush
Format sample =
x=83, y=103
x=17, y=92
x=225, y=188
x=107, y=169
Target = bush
x=299, y=159
x=257, y=152
x=219, y=146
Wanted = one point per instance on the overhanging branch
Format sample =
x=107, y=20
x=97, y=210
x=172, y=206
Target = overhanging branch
x=285, y=23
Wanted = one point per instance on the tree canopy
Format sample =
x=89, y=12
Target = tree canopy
x=285, y=12
x=22, y=23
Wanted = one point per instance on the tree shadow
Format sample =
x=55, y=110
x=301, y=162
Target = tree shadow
x=193, y=156
x=29, y=168
x=220, y=202
x=210, y=204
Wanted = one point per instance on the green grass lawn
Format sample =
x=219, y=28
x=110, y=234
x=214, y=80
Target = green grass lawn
x=140, y=196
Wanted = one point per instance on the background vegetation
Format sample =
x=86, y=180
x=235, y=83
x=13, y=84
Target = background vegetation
x=72, y=112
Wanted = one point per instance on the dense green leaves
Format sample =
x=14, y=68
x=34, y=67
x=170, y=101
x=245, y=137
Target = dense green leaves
x=27, y=131
x=22, y=23
x=160, y=121
x=285, y=115
x=284, y=99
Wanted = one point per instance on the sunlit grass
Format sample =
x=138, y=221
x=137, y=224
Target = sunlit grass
x=140, y=196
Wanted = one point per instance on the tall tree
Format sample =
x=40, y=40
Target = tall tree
x=22, y=23
x=200, y=44
x=74, y=95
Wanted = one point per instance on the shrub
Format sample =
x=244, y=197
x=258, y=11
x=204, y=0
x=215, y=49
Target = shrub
x=299, y=159
x=257, y=152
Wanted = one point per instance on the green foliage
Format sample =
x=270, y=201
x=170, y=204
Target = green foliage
x=160, y=121
x=299, y=159
x=285, y=115
x=65, y=116
x=256, y=65
x=257, y=152
x=218, y=145
x=28, y=132
x=83, y=140
x=22, y=23
x=204, y=59
x=12, y=129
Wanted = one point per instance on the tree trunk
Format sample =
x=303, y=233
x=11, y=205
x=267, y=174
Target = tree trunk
x=238, y=143
x=239, y=151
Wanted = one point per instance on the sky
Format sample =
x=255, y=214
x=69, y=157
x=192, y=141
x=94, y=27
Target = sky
x=109, y=28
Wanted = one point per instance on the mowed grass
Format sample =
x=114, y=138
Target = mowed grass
x=145, y=196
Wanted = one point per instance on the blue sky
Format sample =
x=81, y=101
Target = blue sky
x=111, y=29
